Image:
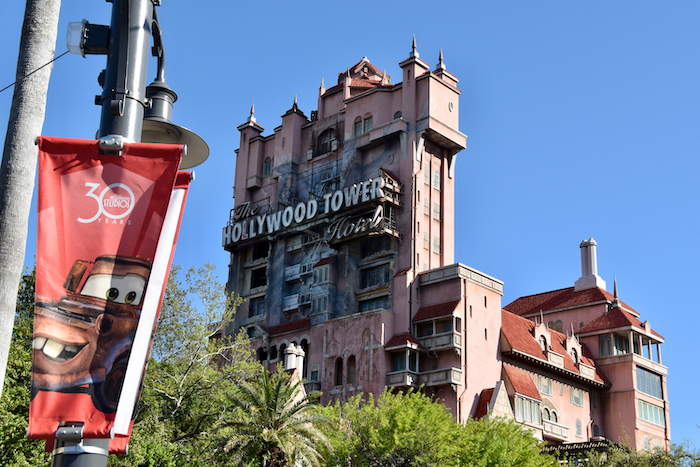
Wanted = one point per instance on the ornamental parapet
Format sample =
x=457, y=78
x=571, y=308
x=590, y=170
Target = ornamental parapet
x=555, y=431
x=460, y=271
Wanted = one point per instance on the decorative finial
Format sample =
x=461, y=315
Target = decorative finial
x=541, y=317
x=414, y=52
x=252, y=113
x=441, y=63
x=616, y=297
x=322, y=89
x=295, y=100
x=385, y=80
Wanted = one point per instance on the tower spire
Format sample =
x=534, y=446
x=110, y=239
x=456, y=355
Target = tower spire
x=616, y=297
x=414, y=52
x=441, y=63
x=252, y=113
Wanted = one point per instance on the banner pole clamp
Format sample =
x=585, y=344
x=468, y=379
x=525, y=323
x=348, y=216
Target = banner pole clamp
x=112, y=145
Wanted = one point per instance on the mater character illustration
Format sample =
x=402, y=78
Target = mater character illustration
x=82, y=342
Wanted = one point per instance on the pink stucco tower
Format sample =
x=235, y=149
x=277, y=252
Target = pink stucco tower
x=342, y=247
x=342, y=234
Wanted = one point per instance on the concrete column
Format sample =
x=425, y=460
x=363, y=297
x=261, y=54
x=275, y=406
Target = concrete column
x=290, y=358
x=658, y=353
x=300, y=355
x=631, y=342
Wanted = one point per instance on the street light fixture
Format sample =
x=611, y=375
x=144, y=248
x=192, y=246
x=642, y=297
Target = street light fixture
x=84, y=38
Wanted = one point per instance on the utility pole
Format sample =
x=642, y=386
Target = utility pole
x=19, y=161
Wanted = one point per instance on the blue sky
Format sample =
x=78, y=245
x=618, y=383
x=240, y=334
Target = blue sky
x=582, y=120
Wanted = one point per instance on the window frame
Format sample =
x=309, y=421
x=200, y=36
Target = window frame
x=256, y=306
x=267, y=167
x=576, y=396
x=649, y=383
x=544, y=385
x=651, y=413
x=375, y=276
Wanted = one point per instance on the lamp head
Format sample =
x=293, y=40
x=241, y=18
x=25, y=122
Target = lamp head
x=158, y=126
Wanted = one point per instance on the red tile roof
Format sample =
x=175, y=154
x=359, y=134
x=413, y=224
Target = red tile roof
x=521, y=381
x=325, y=261
x=518, y=331
x=615, y=318
x=333, y=89
x=290, y=326
x=402, y=339
x=402, y=272
x=482, y=408
x=557, y=299
x=434, y=311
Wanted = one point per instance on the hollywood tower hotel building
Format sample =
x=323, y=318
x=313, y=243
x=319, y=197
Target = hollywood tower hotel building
x=341, y=242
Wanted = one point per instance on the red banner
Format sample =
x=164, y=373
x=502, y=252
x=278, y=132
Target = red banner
x=99, y=222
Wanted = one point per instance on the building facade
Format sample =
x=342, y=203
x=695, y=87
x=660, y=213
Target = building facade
x=342, y=247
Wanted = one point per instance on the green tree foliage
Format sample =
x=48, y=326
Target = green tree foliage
x=410, y=429
x=191, y=377
x=492, y=442
x=15, y=448
x=276, y=424
x=680, y=455
x=400, y=429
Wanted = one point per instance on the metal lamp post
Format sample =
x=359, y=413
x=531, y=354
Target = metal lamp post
x=131, y=112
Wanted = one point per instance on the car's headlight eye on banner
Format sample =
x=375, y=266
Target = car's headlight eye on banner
x=107, y=227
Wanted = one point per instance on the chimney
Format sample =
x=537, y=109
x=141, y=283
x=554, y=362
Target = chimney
x=589, y=267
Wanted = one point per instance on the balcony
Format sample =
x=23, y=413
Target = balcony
x=555, y=431
x=441, y=377
x=310, y=386
x=400, y=379
x=444, y=341
x=296, y=271
x=293, y=302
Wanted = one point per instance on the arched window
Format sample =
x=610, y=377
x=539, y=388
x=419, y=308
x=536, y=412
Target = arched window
x=574, y=356
x=267, y=167
x=543, y=343
x=545, y=414
x=339, y=371
x=397, y=115
x=262, y=355
x=579, y=431
x=351, y=369
x=367, y=123
x=596, y=430
x=324, y=141
x=283, y=348
x=357, y=129
x=554, y=417
x=305, y=348
x=273, y=352
x=557, y=325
